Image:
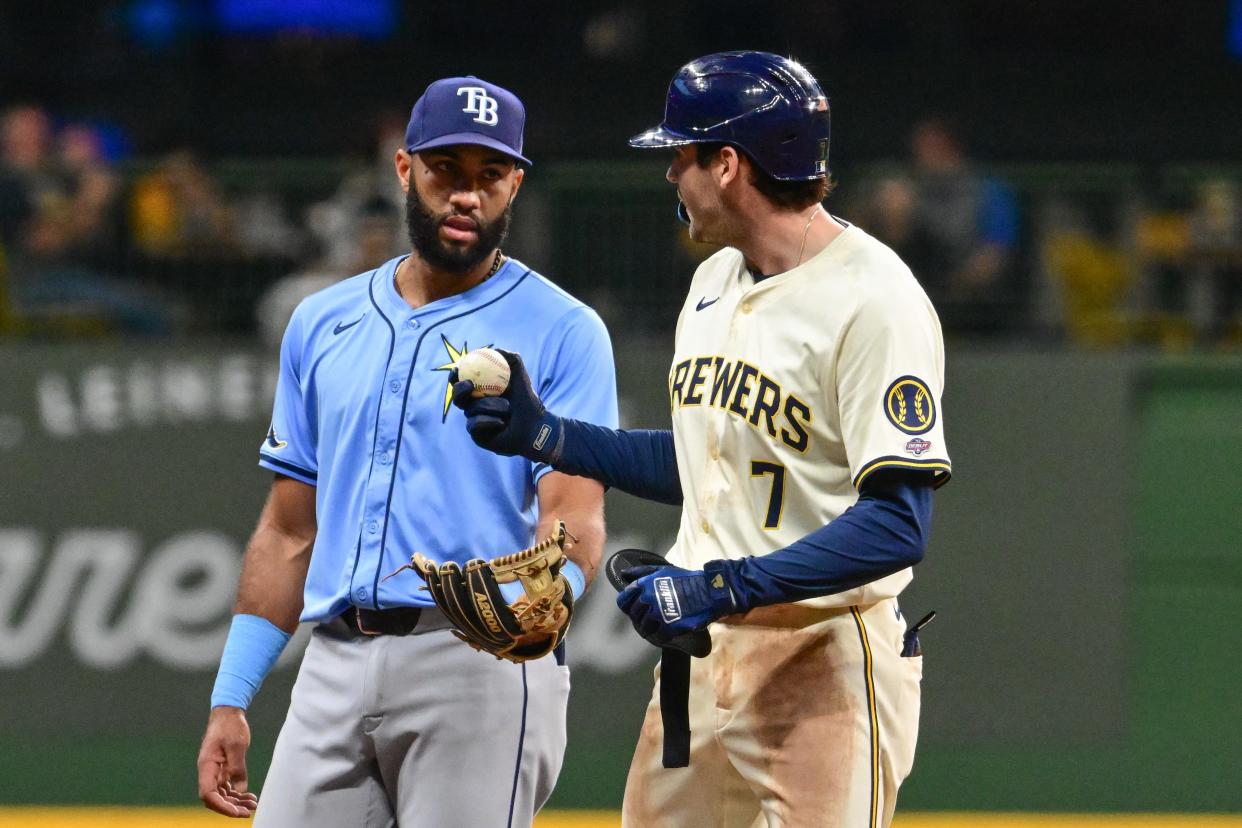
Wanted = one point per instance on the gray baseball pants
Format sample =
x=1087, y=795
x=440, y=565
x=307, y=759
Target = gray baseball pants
x=416, y=731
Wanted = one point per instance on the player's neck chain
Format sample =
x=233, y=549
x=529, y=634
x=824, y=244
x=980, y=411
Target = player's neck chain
x=496, y=263
x=759, y=277
x=805, y=231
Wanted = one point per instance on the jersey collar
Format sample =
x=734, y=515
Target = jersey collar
x=838, y=248
x=384, y=289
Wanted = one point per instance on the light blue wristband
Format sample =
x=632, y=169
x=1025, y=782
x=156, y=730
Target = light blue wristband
x=576, y=578
x=253, y=645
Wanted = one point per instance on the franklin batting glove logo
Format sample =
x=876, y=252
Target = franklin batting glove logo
x=541, y=439
x=670, y=608
x=481, y=105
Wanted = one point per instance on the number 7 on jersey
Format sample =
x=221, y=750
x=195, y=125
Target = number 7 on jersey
x=776, y=500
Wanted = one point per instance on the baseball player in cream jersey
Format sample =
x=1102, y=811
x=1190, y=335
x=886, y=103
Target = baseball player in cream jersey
x=807, y=438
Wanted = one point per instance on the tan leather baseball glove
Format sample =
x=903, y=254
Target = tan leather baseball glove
x=529, y=627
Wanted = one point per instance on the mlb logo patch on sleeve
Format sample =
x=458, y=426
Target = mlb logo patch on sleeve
x=917, y=446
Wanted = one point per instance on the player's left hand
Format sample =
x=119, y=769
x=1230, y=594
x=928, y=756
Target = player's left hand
x=529, y=626
x=222, y=778
x=664, y=602
x=515, y=422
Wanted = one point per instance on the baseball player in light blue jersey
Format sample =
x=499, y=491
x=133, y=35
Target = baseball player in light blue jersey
x=390, y=710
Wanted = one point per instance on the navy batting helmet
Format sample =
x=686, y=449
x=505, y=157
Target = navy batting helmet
x=769, y=106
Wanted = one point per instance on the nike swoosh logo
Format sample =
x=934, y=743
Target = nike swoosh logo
x=342, y=328
x=705, y=304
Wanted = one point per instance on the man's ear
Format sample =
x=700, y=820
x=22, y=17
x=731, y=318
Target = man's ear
x=403, y=162
x=727, y=166
x=519, y=175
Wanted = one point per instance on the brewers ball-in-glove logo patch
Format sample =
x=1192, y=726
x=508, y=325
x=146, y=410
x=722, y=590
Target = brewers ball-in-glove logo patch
x=908, y=405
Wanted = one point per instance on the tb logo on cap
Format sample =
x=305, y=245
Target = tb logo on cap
x=480, y=104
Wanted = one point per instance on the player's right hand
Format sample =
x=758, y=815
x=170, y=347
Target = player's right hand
x=699, y=598
x=222, y=764
x=513, y=423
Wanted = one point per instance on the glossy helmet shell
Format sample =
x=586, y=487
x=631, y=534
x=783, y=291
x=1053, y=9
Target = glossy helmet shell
x=769, y=106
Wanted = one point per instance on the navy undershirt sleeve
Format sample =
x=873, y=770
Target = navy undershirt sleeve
x=884, y=532
x=640, y=462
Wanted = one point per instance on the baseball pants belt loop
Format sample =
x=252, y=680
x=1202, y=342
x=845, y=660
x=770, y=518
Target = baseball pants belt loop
x=675, y=706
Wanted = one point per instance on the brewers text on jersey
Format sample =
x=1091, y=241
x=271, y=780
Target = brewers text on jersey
x=727, y=384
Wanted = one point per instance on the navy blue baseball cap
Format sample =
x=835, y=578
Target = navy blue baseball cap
x=467, y=111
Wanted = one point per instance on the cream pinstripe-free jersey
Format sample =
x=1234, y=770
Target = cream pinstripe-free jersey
x=787, y=393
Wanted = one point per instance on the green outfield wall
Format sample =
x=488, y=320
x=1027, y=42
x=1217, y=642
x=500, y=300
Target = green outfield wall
x=1085, y=563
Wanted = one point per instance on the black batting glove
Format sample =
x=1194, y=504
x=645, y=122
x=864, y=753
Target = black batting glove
x=513, y=423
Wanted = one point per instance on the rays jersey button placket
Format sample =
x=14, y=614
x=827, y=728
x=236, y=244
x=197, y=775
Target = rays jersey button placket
x=393, y=391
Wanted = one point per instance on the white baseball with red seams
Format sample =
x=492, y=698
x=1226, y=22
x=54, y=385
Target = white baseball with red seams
x=487, y=369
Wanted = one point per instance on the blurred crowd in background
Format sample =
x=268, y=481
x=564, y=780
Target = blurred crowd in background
x=189, y=167
x=92, y=243
x=95, y=243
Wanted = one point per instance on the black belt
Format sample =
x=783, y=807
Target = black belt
x=403, y=621
x=395, y=621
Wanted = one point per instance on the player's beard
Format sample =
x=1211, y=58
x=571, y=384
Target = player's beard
x=423, y=227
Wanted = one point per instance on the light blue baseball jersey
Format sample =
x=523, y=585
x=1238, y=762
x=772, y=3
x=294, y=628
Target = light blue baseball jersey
x=363, y=412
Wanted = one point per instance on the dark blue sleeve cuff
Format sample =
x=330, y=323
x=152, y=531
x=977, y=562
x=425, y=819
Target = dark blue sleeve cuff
x=289, y=469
